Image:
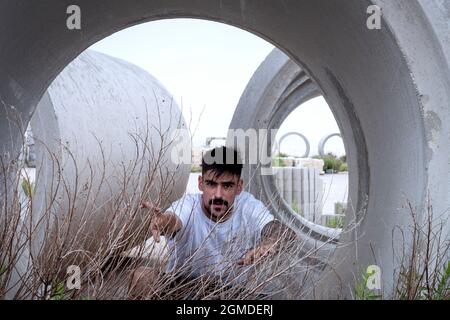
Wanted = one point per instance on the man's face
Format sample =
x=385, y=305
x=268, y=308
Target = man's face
x=219, y=194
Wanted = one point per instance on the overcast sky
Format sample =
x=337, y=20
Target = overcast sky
x=206, y=66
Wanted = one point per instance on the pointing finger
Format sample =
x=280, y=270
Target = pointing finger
x=148, y=205
x=145, y=204
x=155, y=232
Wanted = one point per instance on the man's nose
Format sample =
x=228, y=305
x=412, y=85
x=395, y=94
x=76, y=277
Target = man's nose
x=218, y=192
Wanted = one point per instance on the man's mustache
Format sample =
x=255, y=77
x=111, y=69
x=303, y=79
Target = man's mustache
x=218, y=202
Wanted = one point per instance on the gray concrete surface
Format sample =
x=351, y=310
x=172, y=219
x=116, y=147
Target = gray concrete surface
x=388, y=89
x=100, y=152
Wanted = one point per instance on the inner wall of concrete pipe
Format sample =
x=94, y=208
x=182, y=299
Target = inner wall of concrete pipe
x=388, y=89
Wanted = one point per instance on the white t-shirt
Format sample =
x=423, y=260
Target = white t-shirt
x=203, y=246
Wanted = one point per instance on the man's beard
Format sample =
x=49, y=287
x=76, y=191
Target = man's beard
x=222, y=202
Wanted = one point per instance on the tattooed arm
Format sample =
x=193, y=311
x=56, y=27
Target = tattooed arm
x=275, y=236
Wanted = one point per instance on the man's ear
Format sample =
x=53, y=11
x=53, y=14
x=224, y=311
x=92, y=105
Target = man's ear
x=240, y=186
x=200, y=183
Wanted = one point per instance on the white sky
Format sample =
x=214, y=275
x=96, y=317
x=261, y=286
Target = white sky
x=206, y=65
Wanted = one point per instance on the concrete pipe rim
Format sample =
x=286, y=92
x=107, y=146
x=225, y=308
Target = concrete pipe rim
x=324, y=140
x=298, y=90
x=298, y=134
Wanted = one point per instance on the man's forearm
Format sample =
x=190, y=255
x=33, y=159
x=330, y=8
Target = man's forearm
x=274, y=237
x=278, y=234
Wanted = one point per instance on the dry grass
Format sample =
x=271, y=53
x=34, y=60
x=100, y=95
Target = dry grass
x=424, y=272
x=61, y=234
x=41, y=237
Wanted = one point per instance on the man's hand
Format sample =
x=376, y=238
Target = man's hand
x=274, y=236
x=257, y=253
x=149, y=205
x=161, y=223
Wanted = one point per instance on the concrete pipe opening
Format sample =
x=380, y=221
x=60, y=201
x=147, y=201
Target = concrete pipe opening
x=279, y=88
x=389, y=95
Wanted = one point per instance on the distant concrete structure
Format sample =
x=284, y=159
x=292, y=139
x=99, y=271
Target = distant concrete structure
x=324, y=140
x=302, y=162
x=305, y=140
x=29, y=152
x=209, y=141
x=197, y=152
x=302, y=189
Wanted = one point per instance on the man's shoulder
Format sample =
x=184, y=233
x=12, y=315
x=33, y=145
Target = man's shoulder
x=254, y=209
x=249, y=201
x=191, y=196
x=244, y=195
x=188, y=199
x=247, y=197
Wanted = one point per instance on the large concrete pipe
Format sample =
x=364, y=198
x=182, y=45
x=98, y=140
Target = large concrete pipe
x=106, y=139
x=112, y=128
x=388, y=88
x=276, y=89
x=324, y=140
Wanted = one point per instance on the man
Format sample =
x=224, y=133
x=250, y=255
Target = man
x=219, y=232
